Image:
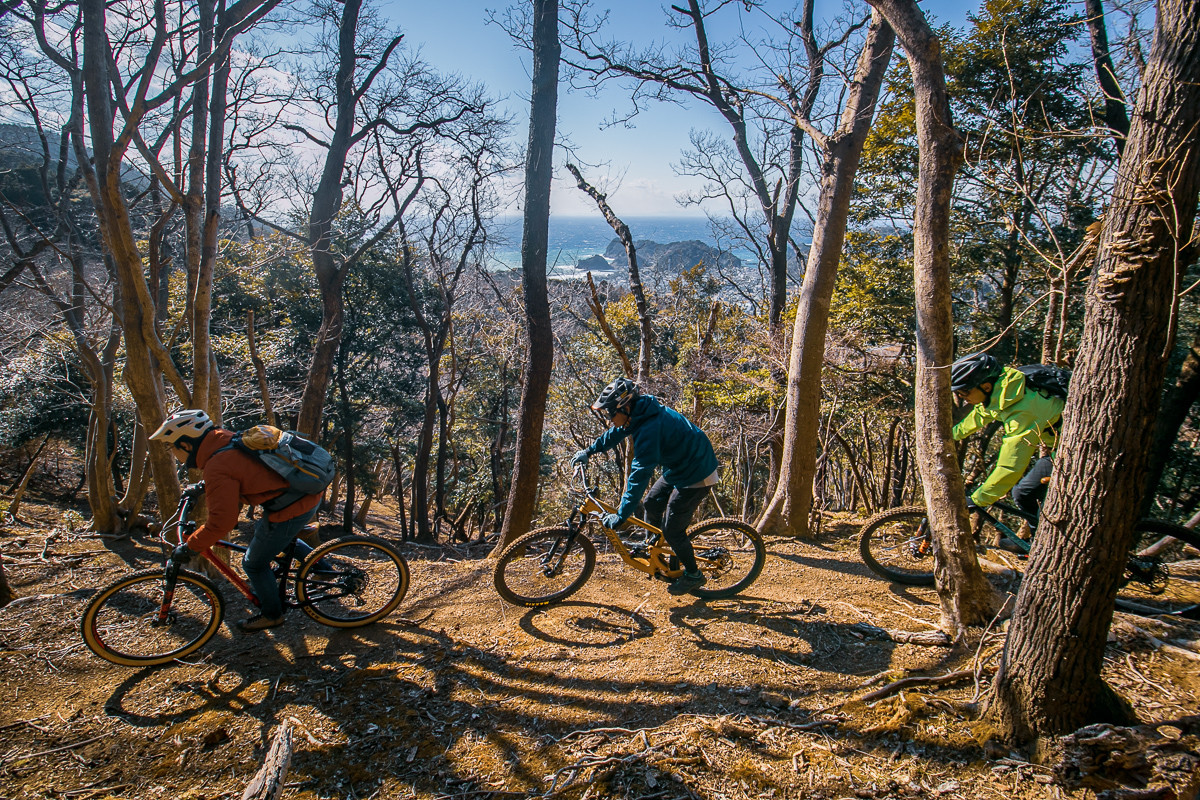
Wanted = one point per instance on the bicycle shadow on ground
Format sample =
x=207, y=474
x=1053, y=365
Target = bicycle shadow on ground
x=232, y=663
x=576, y=623
x=803, y=636
x=831, y=564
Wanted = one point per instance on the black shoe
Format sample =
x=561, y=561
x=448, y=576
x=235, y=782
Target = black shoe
x=686, y=582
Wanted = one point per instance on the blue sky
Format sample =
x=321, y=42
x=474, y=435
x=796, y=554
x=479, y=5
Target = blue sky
x=633, y=164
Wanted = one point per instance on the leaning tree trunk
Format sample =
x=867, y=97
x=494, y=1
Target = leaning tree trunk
x=539, y=168
x=1049, y=678
x=787, y=512
x=142, y=371
x=965, y=596
x=645, y=331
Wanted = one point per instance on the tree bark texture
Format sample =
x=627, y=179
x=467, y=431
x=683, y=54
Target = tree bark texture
x=1049, y=678
x=788, y=510
x=142, y=373
x=328, y=266
x=965, y=596
x=539, y=169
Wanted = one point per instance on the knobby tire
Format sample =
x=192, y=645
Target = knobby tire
x=730, y=553
x=520, y=578
x=351, y=581
x=887, y=543
x=119, y=623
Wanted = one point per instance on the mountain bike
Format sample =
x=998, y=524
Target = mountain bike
x=549, y=565
x=897, y=545
x=158, y=615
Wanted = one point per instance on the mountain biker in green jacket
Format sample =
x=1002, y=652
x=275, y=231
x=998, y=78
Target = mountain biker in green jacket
x=661, y=437
x=1030, y=419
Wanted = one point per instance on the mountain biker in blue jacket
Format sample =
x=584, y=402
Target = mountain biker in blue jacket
x=661, y=437
x=1030, y=419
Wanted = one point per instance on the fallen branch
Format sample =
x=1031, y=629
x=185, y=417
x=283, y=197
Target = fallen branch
x=267, y=784
x=918, y=680
x=925, y=638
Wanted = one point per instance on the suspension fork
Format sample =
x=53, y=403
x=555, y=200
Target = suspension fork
x=553, y=560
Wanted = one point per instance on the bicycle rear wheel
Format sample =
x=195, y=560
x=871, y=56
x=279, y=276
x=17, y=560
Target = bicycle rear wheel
x=351, y=581
x=730, y=553
x=538, y=569
x=121, y=625
x=896, y=546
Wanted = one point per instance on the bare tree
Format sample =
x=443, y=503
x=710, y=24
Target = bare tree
x=773, y=173
x=645, y=330
x=788, y=509
x=1049, y=679
x=965, y=595
x=539, y=165
x=380, y=109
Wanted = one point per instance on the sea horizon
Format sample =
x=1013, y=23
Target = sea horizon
x=573, y=238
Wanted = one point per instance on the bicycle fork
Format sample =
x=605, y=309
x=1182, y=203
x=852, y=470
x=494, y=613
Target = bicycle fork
x=553, y=560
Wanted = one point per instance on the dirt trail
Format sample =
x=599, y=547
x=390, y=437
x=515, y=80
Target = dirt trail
x=624, y=691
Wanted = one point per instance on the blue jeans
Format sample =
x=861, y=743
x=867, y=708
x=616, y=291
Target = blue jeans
x=271, y=539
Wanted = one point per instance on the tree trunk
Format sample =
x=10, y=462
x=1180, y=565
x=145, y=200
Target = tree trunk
x=136, y=308
x=329, y=269
x=260, y=371
x=1049, y=677
x=1116, y=117
x=788, y=510
x=539, y=168
x=1175, y=408
x=965, y=596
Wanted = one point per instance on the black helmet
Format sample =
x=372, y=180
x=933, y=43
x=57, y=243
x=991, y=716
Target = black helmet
x=969, y=372
x=618, y=395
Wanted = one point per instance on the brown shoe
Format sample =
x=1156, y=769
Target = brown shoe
x=259, y=623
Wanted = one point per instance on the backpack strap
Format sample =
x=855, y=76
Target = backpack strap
x=279, y=501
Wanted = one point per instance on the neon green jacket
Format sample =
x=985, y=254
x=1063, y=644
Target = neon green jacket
x=1028, y=418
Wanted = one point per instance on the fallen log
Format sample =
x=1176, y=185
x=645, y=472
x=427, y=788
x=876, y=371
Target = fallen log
x=267, y=783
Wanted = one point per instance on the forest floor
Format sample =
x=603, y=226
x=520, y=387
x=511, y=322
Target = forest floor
x=623, y=691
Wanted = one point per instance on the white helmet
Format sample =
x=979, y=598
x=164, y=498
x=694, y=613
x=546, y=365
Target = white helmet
x=190, y=423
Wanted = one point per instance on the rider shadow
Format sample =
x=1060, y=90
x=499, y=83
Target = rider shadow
x=230, y=687
x=576, y=623
x=801, y=637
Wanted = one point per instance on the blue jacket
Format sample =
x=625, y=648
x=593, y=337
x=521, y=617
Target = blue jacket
x=661, y=437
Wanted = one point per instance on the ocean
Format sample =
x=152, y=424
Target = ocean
x=575, y=238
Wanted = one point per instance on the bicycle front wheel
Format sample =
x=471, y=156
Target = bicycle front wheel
x=730, y=553
x=351, y=581
x=896, y=546
x=544, y=567
x=121, y=623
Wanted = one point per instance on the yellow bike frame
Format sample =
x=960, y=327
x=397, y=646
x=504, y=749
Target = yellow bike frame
x=657, y=562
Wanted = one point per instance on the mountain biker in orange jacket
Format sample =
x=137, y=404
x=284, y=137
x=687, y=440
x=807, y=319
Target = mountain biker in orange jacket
x=232, y=479
x=661, y=437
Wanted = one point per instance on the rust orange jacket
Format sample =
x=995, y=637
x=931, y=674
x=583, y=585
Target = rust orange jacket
x=233, y=479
